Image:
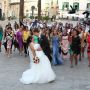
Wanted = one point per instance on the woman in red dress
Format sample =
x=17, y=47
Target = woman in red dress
x=88, y=49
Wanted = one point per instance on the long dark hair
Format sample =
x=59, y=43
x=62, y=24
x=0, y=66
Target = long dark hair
x=29, y=40
x=76, y=31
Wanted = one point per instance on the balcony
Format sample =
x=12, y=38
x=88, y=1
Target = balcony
x=14, y=2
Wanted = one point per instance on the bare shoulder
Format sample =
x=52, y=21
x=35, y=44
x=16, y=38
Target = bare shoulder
x=31, y=45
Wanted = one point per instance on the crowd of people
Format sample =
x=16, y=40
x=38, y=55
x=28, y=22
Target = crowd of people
x=58, y=41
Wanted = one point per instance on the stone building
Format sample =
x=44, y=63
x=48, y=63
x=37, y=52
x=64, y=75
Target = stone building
x=49, y=7
x=80, y=5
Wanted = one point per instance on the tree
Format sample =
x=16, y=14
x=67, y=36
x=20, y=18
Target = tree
x=39, y=9
x=33, y=8
x=21, y=12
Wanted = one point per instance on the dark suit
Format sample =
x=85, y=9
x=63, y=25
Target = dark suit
x=45, y=46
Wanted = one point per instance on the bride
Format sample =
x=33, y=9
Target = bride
x=40, y=71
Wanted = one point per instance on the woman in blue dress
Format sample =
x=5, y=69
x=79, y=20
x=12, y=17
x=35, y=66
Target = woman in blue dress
x=1, y=36
x=57, y=60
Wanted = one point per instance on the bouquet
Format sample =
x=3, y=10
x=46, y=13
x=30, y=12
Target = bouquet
x=36, y=60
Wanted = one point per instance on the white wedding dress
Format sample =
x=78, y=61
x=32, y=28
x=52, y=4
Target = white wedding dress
x=38, y=73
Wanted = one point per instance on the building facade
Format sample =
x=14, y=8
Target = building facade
x=14, y=9
x=15, y=4
x=5, y=8
x=28, y=4
x=80, y=5
x=49, y=7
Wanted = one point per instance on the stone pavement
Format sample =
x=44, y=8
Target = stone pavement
x=11, y=69
x=77, y=78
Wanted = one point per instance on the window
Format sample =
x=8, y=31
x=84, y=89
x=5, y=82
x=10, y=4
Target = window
x=27, y=10
x=0, y=5
x=52, y=2
x=57, y=2
x=88, y=5
x=36, y=9
x=4, y=2
x=76, y=6
x=65, y=6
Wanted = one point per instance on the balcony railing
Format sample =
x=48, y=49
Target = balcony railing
x=14, y=3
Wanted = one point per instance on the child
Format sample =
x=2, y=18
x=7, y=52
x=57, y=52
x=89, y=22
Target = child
x=9, y=37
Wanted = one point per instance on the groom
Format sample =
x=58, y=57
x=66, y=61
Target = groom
x=44, y=42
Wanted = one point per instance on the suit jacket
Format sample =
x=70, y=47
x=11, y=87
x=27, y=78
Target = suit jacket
x=45, y=44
